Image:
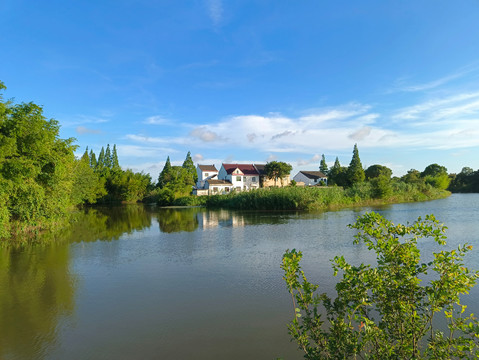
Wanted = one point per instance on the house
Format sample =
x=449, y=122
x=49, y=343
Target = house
x=205, y=172
x=310, y=178
x=243, y=177
x=215, y=186
x=266, y=182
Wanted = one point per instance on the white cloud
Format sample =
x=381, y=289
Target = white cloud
x=215, y=11
x=401, y=84
x=361, y=133
x=205, y=135
x=198, y=157
x=156, y=120
x=81, y=130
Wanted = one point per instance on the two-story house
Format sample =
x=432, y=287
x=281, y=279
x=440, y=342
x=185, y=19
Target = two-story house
x=243, y=177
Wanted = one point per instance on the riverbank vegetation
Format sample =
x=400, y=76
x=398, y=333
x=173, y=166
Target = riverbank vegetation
x=41, y=180
x=398, y=308
x=327, y=198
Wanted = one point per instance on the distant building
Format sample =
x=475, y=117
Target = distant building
x=237, y=177
x=310, y=178
x=266, y=182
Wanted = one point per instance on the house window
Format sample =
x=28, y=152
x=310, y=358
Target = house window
x=227, y=189
x=253, y=179
x=244, y=178
x=206, y=174
x=238, y=178
x=215, y=189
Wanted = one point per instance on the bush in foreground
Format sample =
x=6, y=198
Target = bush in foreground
x=383, y=311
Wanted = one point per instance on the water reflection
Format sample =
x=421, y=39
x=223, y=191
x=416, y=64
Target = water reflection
x=190, y=219
x=37, y=291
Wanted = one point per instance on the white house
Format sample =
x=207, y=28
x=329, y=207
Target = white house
x=205, y=172
x=310, y=178
x=243, y=177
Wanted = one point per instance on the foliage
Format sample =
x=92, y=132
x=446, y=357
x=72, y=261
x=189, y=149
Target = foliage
x=375, y=171
x=323, y=167
x=164, y=176
x=190, y=168
x=355, y=170
x=88, y=187
x=467, y=181
x=337, y=174
x=434, y=170
x=35, y=167
x=436, y=175
x=385, y=311
x=413, y=176
x=323, y=198
x=277, y=170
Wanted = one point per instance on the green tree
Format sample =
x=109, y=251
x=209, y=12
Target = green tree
x=413, y=176
x=92, y=159
x=434, y=170
x=88, y=187
x=436, y=175
x=337, y=174
x=190, y=167
x=355, y=170
x=375, y=171
x=35, y=165
x=387, y=310
x=107, y=159
x=165, y=176
x=323, y=167
x=100, y=165
x=115, y=164
x=277, y=170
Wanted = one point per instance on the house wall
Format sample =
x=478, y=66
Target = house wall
x=270, y=182
x=203, y=176
x=307, y=181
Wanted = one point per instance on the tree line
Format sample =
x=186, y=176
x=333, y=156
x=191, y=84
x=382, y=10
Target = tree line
x=380, y=176
x=40, y=178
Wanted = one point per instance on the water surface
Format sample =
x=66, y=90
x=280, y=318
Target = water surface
x=139, y=282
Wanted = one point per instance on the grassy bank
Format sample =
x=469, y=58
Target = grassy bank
x=324, y=198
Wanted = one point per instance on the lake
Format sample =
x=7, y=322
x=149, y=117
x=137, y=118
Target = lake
x=141, y=282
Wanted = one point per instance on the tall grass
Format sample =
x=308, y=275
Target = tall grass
x=323, y=198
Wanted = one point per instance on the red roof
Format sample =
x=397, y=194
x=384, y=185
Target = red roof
x=246, y=169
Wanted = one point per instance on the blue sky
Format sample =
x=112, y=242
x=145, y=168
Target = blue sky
x=252, y=81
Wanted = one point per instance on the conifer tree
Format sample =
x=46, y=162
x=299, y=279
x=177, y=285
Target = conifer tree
x=92, y=159
x=114, y=159
x=190, y=167
x=165, y=174
x=101, y=159
x=108, y=157
x=355, y=170
x=323, y=167
x=86, y=156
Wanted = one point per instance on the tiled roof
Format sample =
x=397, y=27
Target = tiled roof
x=219, y=182
x=207, y=168
x=313, y=174
x=260, y=168
x=246, y=169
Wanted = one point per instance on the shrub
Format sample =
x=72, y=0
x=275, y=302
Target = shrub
x=383, y=311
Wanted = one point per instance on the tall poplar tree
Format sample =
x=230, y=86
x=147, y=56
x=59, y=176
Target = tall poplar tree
x=108, y=157
x=101, y=159
x=115, y=165
x=92, y=159
x=355, y=170
x=323, y=167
